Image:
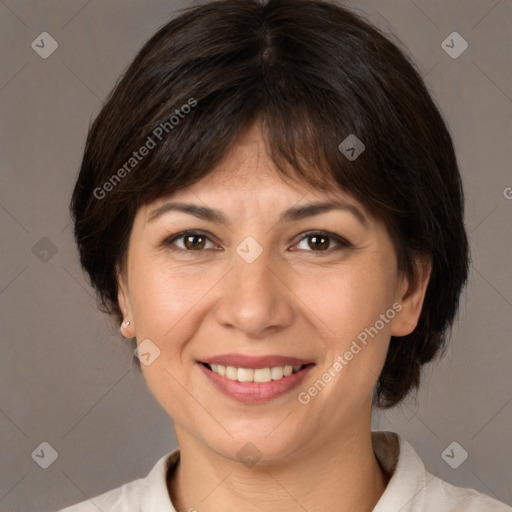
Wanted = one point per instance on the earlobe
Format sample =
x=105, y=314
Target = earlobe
x=411, y=296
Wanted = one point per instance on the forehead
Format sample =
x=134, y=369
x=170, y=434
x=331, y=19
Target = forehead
x=247, y=173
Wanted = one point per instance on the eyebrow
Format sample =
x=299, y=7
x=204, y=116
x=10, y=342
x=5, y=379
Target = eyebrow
x=292, y=214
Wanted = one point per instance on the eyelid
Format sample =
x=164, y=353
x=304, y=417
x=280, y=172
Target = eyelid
x=171, y=239
x=342, y=242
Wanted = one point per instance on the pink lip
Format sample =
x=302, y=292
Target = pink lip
x=256, y=392
x=243, y=361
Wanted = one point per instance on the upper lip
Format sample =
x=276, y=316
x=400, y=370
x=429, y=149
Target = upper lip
x=244, y=361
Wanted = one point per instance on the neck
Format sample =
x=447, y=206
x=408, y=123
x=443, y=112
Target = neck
x=343, y=475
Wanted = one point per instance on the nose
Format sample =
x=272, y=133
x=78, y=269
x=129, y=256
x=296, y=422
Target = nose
x=255, y=298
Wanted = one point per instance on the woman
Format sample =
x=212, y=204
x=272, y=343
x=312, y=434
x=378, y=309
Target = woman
x=270, y=205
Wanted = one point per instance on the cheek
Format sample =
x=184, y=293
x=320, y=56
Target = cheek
x=162, y=298
x=359, y=311
x=348, y=300
x=165, y=304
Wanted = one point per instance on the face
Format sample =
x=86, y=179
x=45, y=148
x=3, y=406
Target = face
x=268, y=294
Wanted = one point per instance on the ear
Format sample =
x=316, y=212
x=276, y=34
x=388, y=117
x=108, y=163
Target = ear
x=123, y=299
x=410, y=295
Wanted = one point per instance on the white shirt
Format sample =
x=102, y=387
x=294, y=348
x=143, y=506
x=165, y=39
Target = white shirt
x=410, y=489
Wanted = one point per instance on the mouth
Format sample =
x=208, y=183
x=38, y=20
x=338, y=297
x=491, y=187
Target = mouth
x=258, y=375
x=255, y=380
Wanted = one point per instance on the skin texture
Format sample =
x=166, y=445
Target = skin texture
x=295, y=300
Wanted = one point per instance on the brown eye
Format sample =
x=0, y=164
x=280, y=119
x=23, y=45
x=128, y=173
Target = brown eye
x=194, y=241
x=318, y=241
x=191, y=241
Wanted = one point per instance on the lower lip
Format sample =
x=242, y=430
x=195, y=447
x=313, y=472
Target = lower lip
x=255, y=392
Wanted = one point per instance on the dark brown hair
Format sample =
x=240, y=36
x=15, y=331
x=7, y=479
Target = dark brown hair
x=312, y=73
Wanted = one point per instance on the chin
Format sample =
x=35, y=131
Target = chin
x=255, y=446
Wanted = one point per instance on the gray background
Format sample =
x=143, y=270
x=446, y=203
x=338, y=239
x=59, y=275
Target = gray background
x=66, y=375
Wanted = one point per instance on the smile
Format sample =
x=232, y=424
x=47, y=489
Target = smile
x=254, y=385
x=254, y=374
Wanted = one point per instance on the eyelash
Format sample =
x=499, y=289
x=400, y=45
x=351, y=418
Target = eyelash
x=342, y=242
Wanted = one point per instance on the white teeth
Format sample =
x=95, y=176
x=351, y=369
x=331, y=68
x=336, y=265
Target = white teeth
x=256, y=374
x=245, y=375
x=276, y=372
x=262, y=375
x=232, y=372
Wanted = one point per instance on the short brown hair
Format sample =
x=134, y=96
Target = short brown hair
x=313, y=73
